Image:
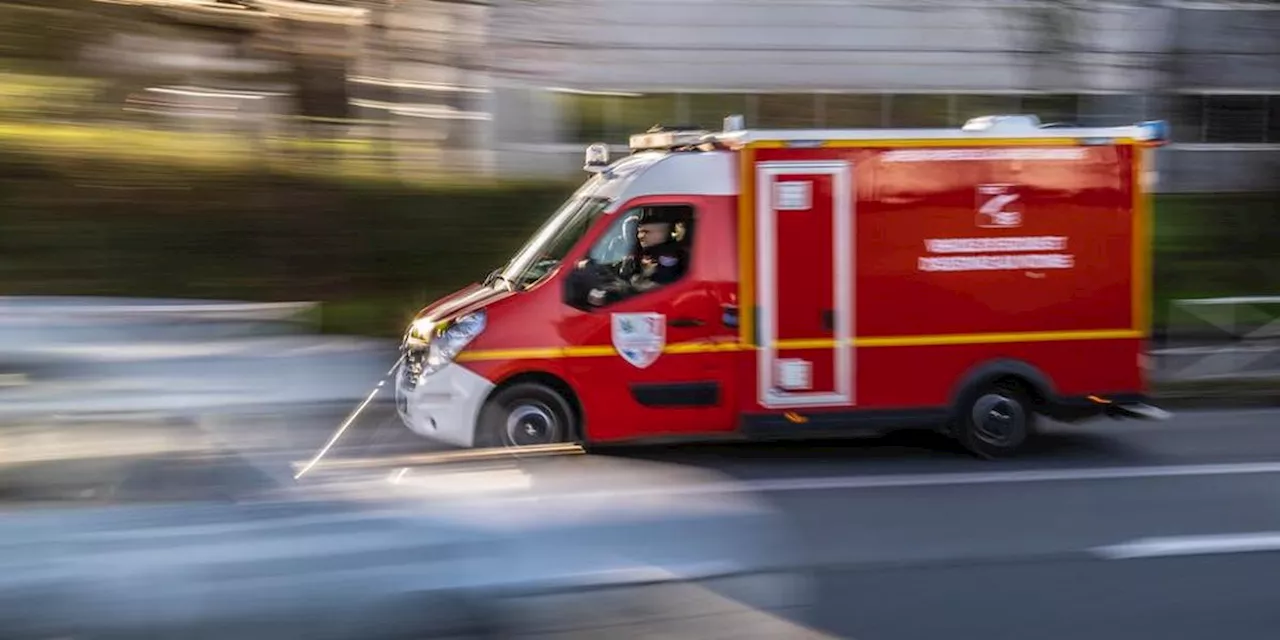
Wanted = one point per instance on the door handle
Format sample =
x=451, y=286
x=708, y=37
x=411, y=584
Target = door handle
x=729, y=315
x=686, y=322
x=828, y=320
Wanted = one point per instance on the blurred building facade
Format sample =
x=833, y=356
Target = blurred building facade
x=605, y=68
x=518, y=87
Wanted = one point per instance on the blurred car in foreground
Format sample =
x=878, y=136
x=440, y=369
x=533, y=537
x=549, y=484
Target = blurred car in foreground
x=558, y=547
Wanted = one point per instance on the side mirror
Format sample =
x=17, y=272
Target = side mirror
x=577, y=284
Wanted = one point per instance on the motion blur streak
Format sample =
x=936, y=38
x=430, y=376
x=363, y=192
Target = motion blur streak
x=350, y=420
x=220, y=215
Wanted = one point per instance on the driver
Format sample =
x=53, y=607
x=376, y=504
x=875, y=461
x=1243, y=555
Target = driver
x=658, y=259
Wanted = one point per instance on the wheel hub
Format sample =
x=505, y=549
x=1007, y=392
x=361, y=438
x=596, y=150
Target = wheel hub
x=997, y=418
x=531, y=424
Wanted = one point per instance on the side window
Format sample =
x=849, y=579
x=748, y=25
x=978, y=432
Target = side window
x=644, y=249
x=618, y=241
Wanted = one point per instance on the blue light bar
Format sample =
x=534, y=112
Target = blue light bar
x=1155, y=131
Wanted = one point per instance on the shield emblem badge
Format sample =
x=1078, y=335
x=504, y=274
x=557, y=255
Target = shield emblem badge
x=639, y=337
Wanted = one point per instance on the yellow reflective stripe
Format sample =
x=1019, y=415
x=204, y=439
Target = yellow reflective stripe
x=887, y=341
x=747, y=247
x=992, y=338
x=511, y=354
x=971, y=338
x=702, y=347
x=805, y=343
x=958, y=142
x=941, y=142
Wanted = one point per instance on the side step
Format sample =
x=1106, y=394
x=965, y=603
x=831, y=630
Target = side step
x=1138, y=411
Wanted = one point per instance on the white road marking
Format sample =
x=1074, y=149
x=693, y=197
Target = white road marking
x=350, y=419
x=1007, y=477
x=1191, y=545
x=908, y=480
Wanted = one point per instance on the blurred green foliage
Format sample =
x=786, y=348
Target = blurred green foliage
x=376, y=250
x=1215, y=245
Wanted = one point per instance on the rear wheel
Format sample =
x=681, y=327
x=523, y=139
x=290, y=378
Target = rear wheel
x=525, y=414
x=995, y=420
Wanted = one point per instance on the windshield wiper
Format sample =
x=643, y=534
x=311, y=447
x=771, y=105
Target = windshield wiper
x=495, y=276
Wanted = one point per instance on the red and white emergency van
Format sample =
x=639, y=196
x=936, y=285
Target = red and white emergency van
x=966, y=279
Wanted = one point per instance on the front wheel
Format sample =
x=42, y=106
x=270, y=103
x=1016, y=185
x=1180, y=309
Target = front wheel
x=525, y=414
x=995, y=420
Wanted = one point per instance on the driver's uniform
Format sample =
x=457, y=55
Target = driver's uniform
x=647, y=269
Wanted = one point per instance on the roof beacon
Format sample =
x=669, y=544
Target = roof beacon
x=597, y=160
x=664, y=139
x=1155, y=132
x=997, y=123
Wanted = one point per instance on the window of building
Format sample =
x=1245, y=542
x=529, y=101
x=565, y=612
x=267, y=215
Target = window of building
x=786, y=111
x=1225, y=119
x=1187, y=119
x=1052, y=107
x=851, y=111
x=1111, y=110
x=585, y=117
x=968, y=106
x=1273, y=119
x=1235, y=119
x=707, y=110
x=920, y=110
x=1222, y=119
x=636, y=114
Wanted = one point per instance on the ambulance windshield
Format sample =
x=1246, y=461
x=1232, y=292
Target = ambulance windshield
x=554, y=240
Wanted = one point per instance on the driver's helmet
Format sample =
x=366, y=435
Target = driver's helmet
x=651, y=215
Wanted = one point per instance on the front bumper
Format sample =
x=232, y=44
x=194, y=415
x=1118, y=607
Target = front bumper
x=444, y=405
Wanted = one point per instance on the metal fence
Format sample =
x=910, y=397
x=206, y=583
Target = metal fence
x=1206, y=339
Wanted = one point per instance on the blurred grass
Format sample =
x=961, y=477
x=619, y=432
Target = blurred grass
x=26, y=94
x=195, y=151
x=137, y=212
x=1215, y=245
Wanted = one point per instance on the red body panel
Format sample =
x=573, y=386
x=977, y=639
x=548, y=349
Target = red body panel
x=1074, y=216
x=900, y=377
x=900, y=206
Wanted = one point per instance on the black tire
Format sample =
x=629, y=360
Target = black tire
x=995, y=420
x=524, y=414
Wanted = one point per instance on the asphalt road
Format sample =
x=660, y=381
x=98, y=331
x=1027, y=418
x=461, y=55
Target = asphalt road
x=1111, y=530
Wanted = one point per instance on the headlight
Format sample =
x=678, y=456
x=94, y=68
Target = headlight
x=446, y=344
x=420, y=333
